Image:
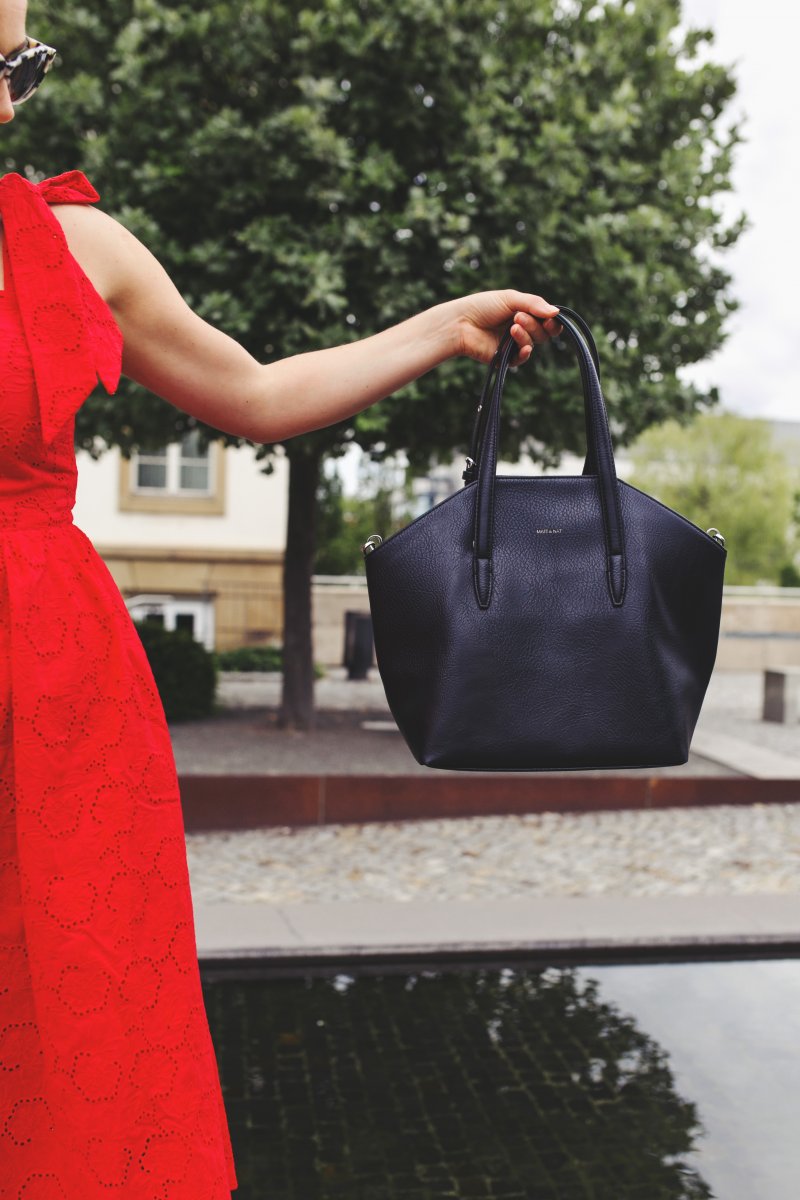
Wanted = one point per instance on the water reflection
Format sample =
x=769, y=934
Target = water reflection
x=506, y=1084
x=732, y=1031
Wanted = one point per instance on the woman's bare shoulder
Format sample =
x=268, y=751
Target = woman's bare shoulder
x=104, y=248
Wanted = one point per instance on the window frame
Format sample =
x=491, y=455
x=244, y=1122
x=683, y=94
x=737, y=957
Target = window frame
x=211, y=502
x=174, y=460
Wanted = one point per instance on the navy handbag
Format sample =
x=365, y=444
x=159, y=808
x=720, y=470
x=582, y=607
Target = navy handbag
x=546, y=622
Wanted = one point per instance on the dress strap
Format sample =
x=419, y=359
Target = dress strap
x=72, y=336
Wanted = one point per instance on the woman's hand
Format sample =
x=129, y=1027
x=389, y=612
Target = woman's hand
x=483, y=318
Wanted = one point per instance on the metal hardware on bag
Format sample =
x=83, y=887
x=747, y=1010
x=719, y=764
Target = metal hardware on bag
x=372, y=543
x=716, y=535
x=469, y=473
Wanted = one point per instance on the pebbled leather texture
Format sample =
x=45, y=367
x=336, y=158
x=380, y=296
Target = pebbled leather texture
x=524, y=658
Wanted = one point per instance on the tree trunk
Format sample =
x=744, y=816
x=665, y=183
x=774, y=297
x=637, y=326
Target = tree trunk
x=297, y=700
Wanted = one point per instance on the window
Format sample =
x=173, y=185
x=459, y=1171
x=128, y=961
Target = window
x=180, y=469
x=194, y=614
x=184, y=477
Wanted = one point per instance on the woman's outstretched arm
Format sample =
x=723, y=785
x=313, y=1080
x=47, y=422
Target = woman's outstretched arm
x=179, y=356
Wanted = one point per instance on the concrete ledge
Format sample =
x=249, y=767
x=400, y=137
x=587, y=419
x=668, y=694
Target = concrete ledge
x=543, y=926
x=257, y=801
x=759, y=762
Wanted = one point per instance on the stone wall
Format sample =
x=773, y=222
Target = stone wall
x=760, y=626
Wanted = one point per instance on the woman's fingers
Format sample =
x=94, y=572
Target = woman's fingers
x=537, y=330
x=528, y=303
x=484, y=316
x=529, y=331
x=524, y=342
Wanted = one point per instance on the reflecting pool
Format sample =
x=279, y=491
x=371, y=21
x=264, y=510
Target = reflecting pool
x=648, y=1082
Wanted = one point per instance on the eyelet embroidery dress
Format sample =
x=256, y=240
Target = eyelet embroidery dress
x=108, y=1080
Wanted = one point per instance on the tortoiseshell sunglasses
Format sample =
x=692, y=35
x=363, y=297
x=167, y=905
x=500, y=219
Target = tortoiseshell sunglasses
x=25, y=68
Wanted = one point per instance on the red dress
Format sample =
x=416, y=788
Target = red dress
x=108, y=1081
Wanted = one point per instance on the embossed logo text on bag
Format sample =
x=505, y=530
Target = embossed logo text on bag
x=548, y=531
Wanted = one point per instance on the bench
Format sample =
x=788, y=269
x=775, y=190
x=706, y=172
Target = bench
x=782, y=695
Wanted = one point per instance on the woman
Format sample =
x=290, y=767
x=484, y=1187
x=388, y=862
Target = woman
x=108, y=1083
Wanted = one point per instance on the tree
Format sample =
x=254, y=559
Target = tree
x=725, y=470
x=312, y=173
x=345, y=522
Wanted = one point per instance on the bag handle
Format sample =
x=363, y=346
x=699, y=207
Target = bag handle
x=479, y=427
x=599, y=440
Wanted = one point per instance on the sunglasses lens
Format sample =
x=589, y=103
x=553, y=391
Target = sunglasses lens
x=25, y=78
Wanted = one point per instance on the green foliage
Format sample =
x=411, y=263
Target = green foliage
x=345, y=522
x=789, y=575
x=724, y=470
x=250, y=658
x=256, y=658
x=310, y=173
x=184, y=671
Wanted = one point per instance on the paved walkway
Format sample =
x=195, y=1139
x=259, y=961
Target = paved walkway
x=536, y=883
x=543, y=927
x=356, y=733
x=669, y=877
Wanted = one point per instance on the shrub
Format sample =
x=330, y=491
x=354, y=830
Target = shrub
x=250, y=658
x=789, y=575
x=184, y=671
x=256, y=658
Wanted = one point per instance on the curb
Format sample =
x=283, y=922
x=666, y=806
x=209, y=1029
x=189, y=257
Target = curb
x=544, y=928
x=217, y=802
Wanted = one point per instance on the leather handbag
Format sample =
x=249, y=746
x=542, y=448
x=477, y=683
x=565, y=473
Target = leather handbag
x=549, y=622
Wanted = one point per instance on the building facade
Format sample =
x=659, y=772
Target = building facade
x=193, y=537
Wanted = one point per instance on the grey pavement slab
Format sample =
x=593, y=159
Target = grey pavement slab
x=356, y=734
x=745, y=757
x=248, y=742
x=351, y=930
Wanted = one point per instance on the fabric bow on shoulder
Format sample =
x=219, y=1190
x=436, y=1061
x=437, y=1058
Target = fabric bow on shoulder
x=71, y=334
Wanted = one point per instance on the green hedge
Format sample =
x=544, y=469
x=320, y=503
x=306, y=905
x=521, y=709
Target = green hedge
x=256, y=658
x=184, y=671
x=250, y=658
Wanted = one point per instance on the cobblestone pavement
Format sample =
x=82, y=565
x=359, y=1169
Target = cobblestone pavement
x=725, y=849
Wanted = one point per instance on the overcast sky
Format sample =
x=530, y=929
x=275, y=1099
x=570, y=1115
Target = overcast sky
x=758, y=370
